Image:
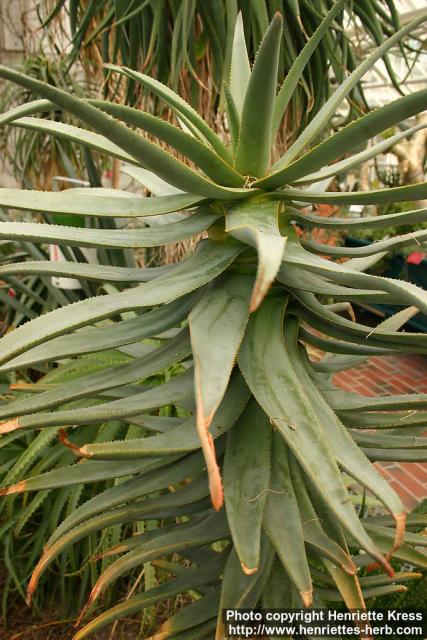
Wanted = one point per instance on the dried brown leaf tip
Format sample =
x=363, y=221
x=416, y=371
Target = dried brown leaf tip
x=307, y=597
x=20, y=487
x=247, y=570
x=9, y=425
x=63, y=439
x=208, y=447
x=22, y=386
x=400, y=519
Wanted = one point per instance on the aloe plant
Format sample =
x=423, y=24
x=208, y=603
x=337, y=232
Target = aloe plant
x=24, y=454
x=189, y=43
x=259, y=442
x=34, y=159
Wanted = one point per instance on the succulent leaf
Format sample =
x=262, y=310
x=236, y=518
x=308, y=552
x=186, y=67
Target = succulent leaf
x=246, y=482
x=240, y=71
x=254, y=146
x=185, y=373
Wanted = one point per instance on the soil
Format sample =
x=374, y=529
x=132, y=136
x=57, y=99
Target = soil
x=22, y=624
x=25, y=623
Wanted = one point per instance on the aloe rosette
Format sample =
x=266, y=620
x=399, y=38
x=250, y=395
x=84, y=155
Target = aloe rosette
x=258, y=452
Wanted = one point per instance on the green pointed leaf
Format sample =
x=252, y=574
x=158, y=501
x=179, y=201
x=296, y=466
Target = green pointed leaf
x=346, y=139
x=202, y=155
x=332, y=595
x=149, y=481
x=256, y=223
x=74, y=134
x=341, y=362
x=180, y=440
x=197, y=577
x=87, y=472
x=405, y=552
x=246, y=482
x=295, y=72
x=415, y=520
x=379, y=580
x=136, y=541
x=150, y=508
x=347, y=583
x=80, y=270
x=214, y=350
x=278, y=592
x=174, y=391
x=123, y=238
x=180, y=106
x=378, y=196
x=396, y=455
x=344, y=349
x=322, y=118
x=239, y=590
x=148, y=179
x=415, y=539
x=267, y=368
x=213, y=528
x=117, y=334
x=233, y=119
x=253, y=149
x=416, y=238
x=347, y=401
x=348, y=586
x=240, y=71
x=298, y=279
x=359, y=333
x=26, y=109
x=366, y=222
x=34, y=450
x=407, y=292
x=282, y=522
x=315, y=536
x=89, y=385
x=358, y=158
x=388, y=441
x=145, y=152
x=190, y=616
x=209, y=261
x=214, y=355
x=370, y=420
x=347, y=453
x=321, y=318
x=95, y=202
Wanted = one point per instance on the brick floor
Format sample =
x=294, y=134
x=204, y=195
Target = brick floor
x=393, y=375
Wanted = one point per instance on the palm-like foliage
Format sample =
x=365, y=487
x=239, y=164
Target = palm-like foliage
x=268, y=425
x=26, y=295
x=188, y=44
x=36, y=159
x=29, y=453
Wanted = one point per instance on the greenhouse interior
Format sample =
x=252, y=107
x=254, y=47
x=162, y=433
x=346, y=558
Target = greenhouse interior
x=213, y=327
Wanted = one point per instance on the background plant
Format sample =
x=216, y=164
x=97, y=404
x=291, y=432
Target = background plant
x=28, y=454
x=266, y=423
x=36, y=159
x=188, y=45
